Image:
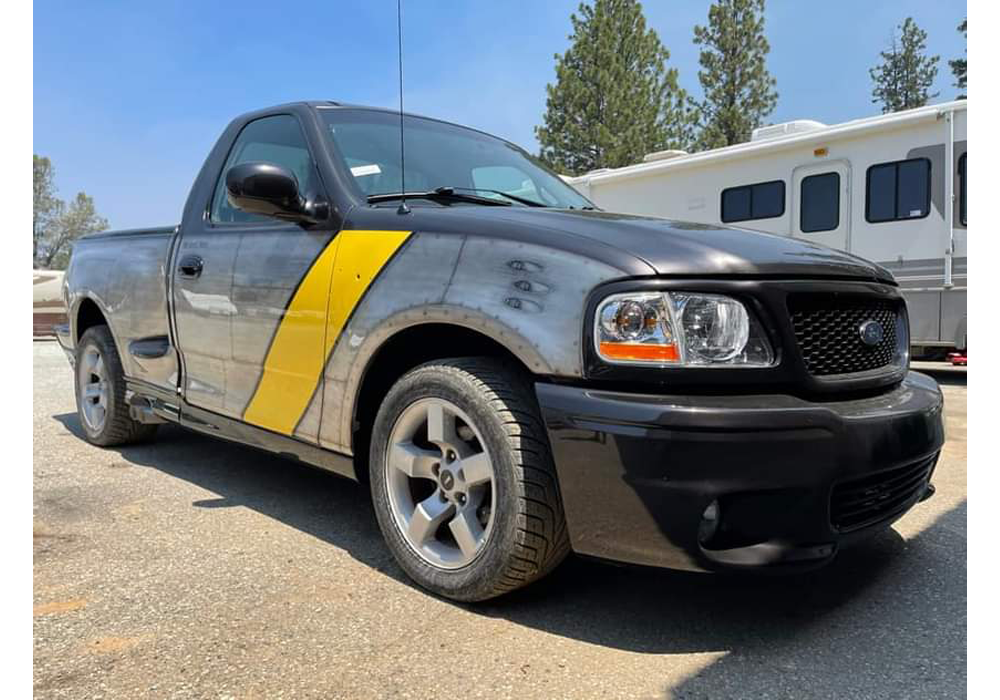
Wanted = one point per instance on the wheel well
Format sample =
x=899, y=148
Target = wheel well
x=88, y=315
x=398, y=355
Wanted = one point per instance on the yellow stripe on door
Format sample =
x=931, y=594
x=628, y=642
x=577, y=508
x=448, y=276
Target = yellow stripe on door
x=306, y=334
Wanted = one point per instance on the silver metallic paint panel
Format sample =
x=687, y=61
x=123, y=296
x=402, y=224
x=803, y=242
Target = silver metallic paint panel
x=143, y=261
x=126, y=276
x=308, y=427
x=268, y=269
x=203, y=309
x=527, y=297
x=538, y=292
x=91, y=276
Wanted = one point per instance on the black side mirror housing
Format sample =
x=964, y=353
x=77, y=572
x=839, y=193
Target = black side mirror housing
x=270, y=190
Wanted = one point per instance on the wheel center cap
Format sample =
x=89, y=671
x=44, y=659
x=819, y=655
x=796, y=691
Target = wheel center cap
x=447, y=480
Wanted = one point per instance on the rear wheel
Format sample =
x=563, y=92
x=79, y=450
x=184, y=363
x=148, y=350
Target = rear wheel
x=100, y=392
x=463, y=482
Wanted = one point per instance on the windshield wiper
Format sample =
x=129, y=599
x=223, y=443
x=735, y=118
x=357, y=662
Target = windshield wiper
x=441, y=193
x=508, y=195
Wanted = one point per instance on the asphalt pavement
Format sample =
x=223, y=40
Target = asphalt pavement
x=191, y=567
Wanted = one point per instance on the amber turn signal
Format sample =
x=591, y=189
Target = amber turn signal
x=638, y=351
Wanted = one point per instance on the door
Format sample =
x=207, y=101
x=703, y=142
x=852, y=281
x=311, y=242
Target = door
x=821, y=203
x=252, y=323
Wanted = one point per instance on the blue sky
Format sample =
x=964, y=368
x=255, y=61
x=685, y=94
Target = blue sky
x=130, y=96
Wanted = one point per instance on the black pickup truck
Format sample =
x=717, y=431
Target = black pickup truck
x=516, y=373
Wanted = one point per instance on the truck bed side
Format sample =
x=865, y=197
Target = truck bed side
x=124, y=273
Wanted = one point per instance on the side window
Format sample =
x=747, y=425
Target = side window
x=764, y=200
x=898, y=191
x=277, y=140
x=820, y=203
x=963, y=180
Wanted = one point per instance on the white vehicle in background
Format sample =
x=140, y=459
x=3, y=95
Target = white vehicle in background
x=883, y=188
x=48, y=308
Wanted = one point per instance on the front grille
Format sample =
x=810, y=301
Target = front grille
x=865, y=501
x=828, y=332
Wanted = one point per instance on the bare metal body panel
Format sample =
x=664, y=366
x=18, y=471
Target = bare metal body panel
x=125, y=276
x=527, y=297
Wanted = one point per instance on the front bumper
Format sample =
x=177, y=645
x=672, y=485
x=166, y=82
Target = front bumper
x=637, y=472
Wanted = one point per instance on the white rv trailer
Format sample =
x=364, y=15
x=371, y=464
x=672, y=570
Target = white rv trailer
x=881, y=188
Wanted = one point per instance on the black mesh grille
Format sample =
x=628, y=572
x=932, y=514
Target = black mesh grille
x=828, y=332
x=860, y=502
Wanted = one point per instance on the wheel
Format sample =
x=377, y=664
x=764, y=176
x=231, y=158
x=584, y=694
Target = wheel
x=100, y=392
x=463, y=482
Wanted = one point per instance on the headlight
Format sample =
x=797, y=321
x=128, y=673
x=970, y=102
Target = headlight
x=679, y=329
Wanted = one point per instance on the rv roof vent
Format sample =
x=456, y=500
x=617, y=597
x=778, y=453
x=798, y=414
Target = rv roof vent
x=798, y=126
x=663, y=155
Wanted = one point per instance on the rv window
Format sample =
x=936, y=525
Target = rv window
x=764, y=200
x=820, y=208
x=898, y=191
x=962, y=183
x=736, y=204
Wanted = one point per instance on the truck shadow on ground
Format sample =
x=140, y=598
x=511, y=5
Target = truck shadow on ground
x=880, y=609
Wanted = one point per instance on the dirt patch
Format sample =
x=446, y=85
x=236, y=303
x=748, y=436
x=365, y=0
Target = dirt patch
x=59, y=606
x=112, y=645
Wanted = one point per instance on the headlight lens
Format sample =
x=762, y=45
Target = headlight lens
x=636, y=328
x=679, y=329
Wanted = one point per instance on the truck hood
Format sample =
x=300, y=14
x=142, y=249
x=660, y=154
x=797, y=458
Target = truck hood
x=684, y=248
x=641, y=245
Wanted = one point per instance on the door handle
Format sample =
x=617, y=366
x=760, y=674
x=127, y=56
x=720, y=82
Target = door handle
x=191, y=266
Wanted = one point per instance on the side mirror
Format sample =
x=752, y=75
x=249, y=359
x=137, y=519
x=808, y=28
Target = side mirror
x=270, y=190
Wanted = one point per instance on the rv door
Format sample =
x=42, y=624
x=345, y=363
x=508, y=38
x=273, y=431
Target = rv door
x=821, y=203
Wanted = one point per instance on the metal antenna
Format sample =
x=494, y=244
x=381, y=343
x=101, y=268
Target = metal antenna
x=403, y=209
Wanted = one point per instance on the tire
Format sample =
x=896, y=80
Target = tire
x=523, y=534
x=104, y=379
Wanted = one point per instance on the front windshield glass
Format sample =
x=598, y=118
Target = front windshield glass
x=441, y=155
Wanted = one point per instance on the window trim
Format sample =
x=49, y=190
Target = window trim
x=962, y=194
x=802, y=201
x=895, y=193
x=750, y=186
x=270, y=222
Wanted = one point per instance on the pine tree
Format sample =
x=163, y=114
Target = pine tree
x=739, y=91
x=614, y=100
x=904, y=78
x=960, y=66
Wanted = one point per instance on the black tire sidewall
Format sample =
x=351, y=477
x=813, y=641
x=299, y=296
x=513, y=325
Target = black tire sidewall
x=477, y=578
x=100, y=338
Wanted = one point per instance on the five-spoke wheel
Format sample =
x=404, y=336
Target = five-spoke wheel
x=93, y=382
x=440, y=483
x=100, y=392
x=462, y=479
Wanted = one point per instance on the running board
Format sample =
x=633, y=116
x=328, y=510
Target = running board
x=149, y=403
x=151, y=411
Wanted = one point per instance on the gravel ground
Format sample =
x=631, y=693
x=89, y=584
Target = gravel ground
x=196, y=568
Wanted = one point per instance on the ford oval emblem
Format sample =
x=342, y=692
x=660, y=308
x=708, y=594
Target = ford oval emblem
x=871, y=333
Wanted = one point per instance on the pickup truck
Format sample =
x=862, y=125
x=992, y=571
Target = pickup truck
x=515, y=373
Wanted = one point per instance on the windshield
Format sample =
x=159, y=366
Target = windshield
x=441, y=155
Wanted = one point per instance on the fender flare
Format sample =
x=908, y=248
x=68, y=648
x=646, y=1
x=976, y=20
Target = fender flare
x=363, y=351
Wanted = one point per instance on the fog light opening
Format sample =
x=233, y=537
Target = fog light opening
x=709, y=524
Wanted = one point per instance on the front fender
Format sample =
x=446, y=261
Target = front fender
x=528, y=298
